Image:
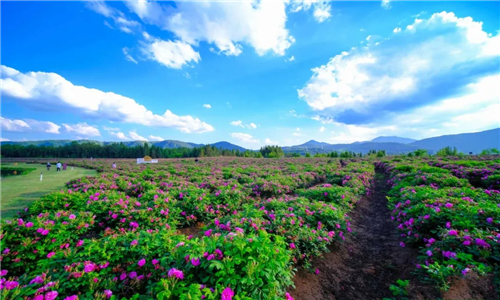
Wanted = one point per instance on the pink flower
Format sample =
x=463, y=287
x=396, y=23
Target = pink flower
x=123, y=276
x=448, y=205
x=489, y=220
x=453, y=232
x=51, y=295
x=448, y=225
x=287, y=295
x=45, y=232
x=3, y=272
x=6, y=250
x=74, y=297
x=317, y=272
x=195, y=262
x=466, y=243
x=114, y=216
x=402, y=244
x=89, y=268
x=79, y=243
x=29, y=224
x=72, y=217
x=142, y=262
x=429, y=252
x=227, y=294
x=292, y=246
x=210, y=257
x=208, y=232
x=50, y=254
x=108, y=293
x=132, y=275
x=134, y=242
x=482, y=243
x=175, y=273
x=155, y=261
x=10, y=285
x=36, y=280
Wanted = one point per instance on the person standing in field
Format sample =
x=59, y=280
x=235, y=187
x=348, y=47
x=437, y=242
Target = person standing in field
x=58, y=166
x=48, y=166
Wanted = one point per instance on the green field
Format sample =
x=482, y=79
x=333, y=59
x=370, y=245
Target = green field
x=18, y=191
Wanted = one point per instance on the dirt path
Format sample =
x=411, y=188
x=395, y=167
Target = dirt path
x=368, y=262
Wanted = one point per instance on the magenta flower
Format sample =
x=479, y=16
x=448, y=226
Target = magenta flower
x=51, y=254
x=79, y=243
x=448, y=205
x=132, y=275
x=453, y=232
x=429, y=253
x=317, y=271
x=175, y=273
x=208, y=232
x=489, y=220
x=288, y=296
x=36, y=280
x=195, y=262
x=155, y=261
x=482, y=243
x=402, y=244
x=74, y=297
x=89, y=268
x=142, y=262
x=210, y=257
x=10, y=285
x=3, y=272
x=227, y=294
x=6, y=250
x=466, y=243
x=45, y=232
x=123, y=276
x=72, y=217
x=29, y=224
x=134, y=242
x=292, y=246
x=51, y=295
x=108, y=293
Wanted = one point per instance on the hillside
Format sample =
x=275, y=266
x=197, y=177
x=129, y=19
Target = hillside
x=393, y=139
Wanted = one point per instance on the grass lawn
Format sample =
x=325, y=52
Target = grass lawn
x=19, y=191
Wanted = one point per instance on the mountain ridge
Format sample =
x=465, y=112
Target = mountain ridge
x=464, y=142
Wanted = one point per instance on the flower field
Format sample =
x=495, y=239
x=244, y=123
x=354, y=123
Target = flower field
x=214, y=229
x=239, y=228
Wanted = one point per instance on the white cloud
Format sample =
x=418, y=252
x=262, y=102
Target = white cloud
x=396, y=30
x=110, y=128
x=29, y=125
x=297, y=129
x=386, y=4
x=297, y=134
x=207, y=106
x=170, y=54
x=135, y=137
x=292, y=58
x=119, y=19
x=128, y=56
x=50, y=90
x=155, y=138
x=269, y=142
x=237, y=123
x=83, y=129
x=252, y=125
x=244, y=137
x=120, y=135
x=322, y=129
x=228, y=25
x=4, y=139
x=440, y=53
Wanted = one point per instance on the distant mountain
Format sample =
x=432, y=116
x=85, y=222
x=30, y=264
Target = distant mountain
x=174, y=144
x=314, y=144
x=393, y=139
x=466, y=142
x=227, y=146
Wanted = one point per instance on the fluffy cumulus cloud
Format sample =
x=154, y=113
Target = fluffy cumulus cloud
x=28, y=125
x=244, y=137
x=477, y=110
x=4, y=139
x=417, y=67
x=155, y=138
x=386, y=4
x=170, y=54
x=134, y=136
x=207, y=106
x=82, y=129
x=240, y=124
x=50, y=90
x=120, y=21
x=321, y=9
x=270, y=142
x=119, y=135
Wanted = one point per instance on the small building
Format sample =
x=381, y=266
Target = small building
x=146, y=160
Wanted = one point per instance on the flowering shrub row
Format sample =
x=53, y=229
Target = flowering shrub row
x=217, y=229
x=455, y=225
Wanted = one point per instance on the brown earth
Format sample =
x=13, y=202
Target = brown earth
x=369, y=261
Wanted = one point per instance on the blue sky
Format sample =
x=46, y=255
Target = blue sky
x=251, y=73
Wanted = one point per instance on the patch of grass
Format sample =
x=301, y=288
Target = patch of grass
x=19, y=191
